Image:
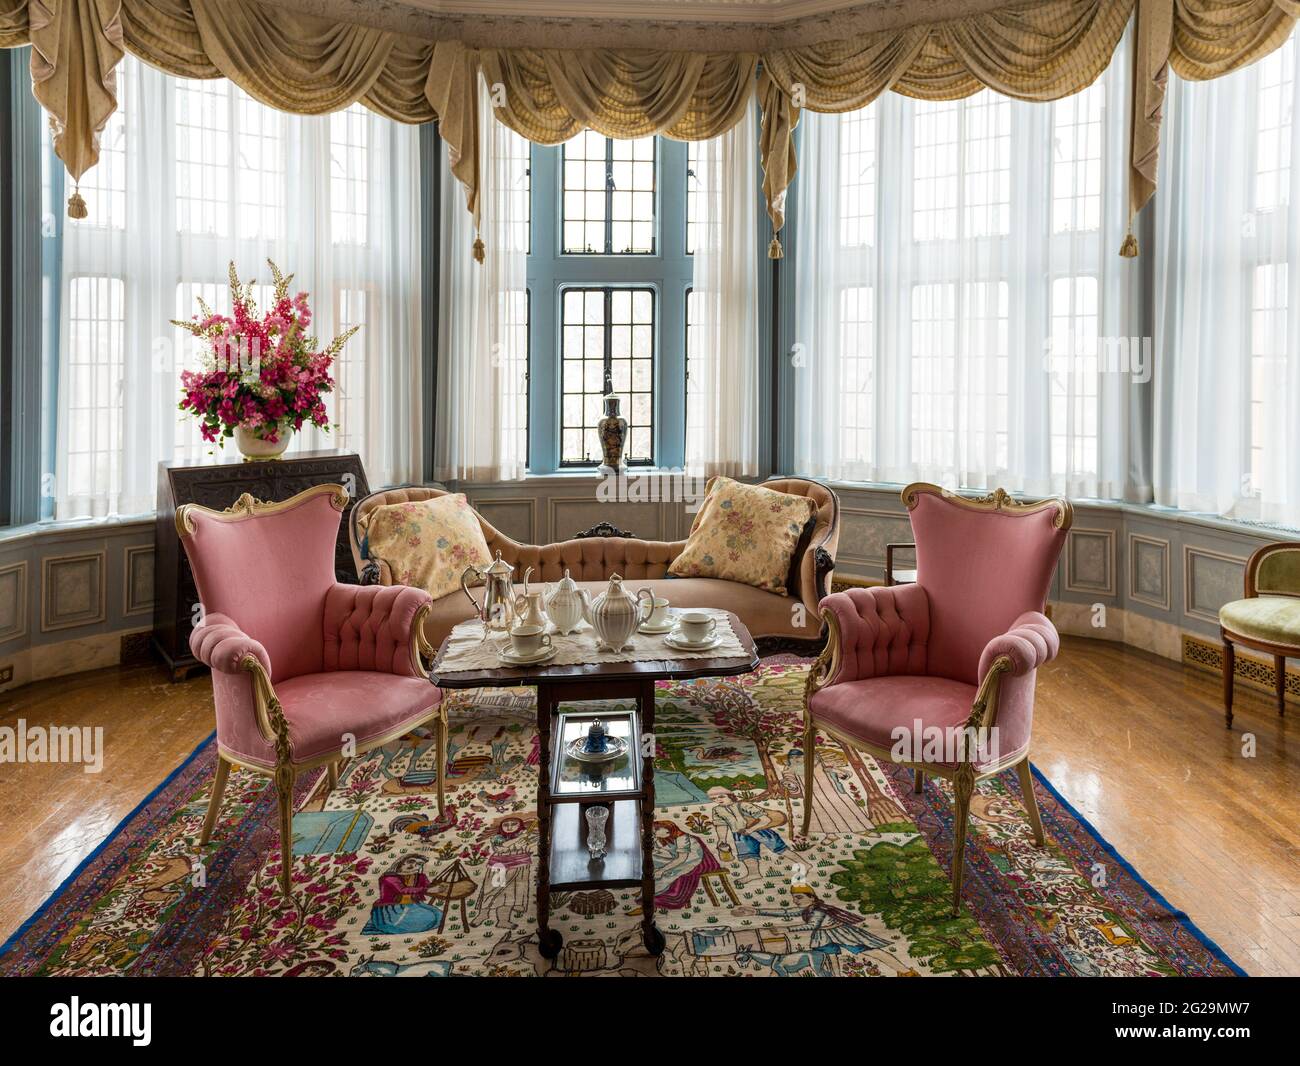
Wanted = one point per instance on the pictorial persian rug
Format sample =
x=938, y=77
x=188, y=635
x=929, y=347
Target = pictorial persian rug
x=385, y=887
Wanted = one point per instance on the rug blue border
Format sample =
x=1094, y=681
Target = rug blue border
x=53, y=897
x=1180, y=915
x=1127, y=866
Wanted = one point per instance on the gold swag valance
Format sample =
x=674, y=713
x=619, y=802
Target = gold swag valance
x=311, y=65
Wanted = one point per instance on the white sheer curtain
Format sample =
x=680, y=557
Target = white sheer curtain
x=482, y=407
x=722, y=382
x=195, y=174
x=1227, y=295
x=962, y=316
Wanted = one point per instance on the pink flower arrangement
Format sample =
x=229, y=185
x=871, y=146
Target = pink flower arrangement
x=262, y=373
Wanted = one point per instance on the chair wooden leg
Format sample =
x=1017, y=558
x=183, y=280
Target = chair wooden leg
x=1031, y=801
x=332, y=774
x=1279, y=668
x=284, y=788
x=214, y=801
x=963, y=787
x=918, y=780
x=440, y=742
x=809, y=768
x=1228, y=667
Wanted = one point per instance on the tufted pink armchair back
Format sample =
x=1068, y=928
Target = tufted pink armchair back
x=270, y=574
x=982, y=565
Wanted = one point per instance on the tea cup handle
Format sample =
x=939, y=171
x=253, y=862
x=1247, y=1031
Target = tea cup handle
x=546, y=640
x=713, y=626
x=649, y=604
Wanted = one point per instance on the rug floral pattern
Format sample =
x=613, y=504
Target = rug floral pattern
x=385, y=887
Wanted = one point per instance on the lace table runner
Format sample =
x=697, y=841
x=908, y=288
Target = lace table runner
x=467, y=650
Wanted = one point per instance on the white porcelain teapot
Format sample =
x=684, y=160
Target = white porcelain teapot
x=564, y=604
x=616, y=613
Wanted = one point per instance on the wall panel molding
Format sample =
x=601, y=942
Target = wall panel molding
x=13, y=601
x=864, y=532
x=567, y=515
x=73, y=590
x=137, y=580
x=1148, y=570
x=1210, y=579
x=498, y=511
x=1090, y=561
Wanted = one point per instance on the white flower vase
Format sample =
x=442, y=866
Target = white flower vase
x=254, y=449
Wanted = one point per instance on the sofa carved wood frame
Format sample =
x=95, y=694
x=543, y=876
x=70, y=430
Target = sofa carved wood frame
x=271, y=722
x=965, y=773
x=1270, y=571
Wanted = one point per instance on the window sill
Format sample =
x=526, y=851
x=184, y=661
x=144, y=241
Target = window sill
x=1154, y=511
x=74, y=526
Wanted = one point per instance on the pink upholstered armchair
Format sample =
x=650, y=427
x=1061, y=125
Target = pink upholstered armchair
x=955, y=652
x=304, y=669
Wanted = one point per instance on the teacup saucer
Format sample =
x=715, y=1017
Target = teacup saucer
x=676, y=640
x=659, y=630
x=507, y=656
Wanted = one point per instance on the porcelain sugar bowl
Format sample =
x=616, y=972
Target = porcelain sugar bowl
x=564, y=604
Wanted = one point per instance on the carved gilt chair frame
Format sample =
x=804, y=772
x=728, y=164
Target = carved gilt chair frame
x=271, y=722
x=984, y=708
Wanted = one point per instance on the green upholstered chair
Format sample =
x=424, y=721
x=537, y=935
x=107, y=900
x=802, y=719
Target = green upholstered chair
x=1267, y=619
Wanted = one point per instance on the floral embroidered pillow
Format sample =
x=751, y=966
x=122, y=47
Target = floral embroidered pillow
x=426, y=543
x=745, y=533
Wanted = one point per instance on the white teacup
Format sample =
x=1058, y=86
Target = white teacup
x=658, y=613
x=529, y=640
x=696, y=627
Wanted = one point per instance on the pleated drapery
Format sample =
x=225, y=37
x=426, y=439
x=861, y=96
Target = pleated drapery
x=311, y=65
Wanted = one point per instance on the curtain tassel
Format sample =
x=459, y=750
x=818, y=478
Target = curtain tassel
x=478, y=250
x=774, y=250
x=76, y=205
x=1129, y=249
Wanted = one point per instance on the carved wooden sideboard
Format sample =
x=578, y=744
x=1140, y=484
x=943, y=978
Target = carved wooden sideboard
x=218, y=485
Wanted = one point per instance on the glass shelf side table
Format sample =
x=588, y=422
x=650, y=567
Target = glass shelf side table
x=580, y=790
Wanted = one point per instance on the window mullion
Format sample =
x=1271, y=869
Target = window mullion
x=608, y=379
x=609, y=196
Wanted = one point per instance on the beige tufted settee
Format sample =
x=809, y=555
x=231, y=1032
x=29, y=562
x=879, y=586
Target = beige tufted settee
x=591, y=558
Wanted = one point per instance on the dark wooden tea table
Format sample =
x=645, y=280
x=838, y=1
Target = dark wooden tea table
x=597, y=681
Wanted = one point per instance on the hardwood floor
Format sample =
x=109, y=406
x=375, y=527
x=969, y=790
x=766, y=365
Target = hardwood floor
x=52, y=815
x=1134, y=742
x=1137, y=745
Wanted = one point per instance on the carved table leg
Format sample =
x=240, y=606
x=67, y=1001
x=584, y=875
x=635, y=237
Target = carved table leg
x=548, y=940
x=651, y=936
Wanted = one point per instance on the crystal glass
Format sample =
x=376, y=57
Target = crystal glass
x=597, y=816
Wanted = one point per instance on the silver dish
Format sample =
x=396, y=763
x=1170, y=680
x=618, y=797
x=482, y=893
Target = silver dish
x=616, y=750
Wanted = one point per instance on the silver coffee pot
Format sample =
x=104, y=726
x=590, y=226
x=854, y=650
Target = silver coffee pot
x=497, y=611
